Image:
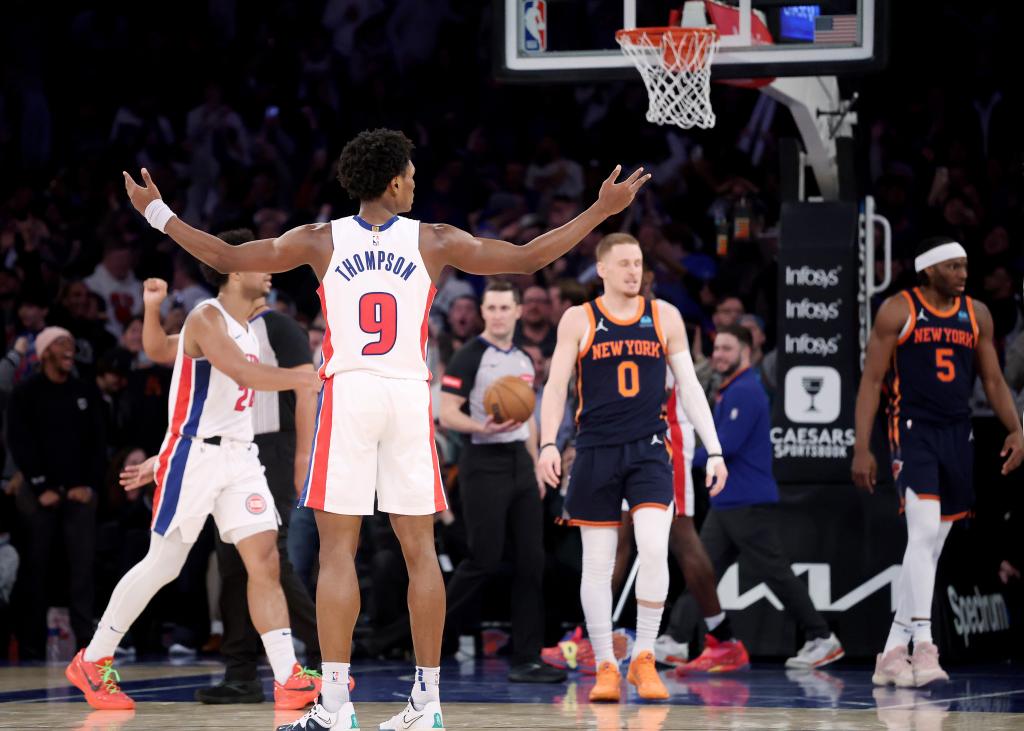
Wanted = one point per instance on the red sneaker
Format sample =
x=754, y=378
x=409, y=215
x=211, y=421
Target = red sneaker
x=563, y=655
x=718, y=657
x=99, y=682
x=300, y=690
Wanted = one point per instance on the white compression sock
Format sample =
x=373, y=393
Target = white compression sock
x=651, y=528
x=334, y=691
x=280, y=652
x=924, y=527
x=160, y=566
x=426, y=686
x=714, y=621
x=599, y=545
x=899, y=634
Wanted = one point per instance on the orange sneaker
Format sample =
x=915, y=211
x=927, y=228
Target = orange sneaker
x=644, y=676
x=607, y=688
x=299, y=691
x=99, y=682
x=718, y=657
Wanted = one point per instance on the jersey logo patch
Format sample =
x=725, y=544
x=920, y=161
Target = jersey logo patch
x=601, y=327
x=961, y=315
x=922, y=317
x=255, y=504
x=646, y=321
x=655, y=440
x=451, y=381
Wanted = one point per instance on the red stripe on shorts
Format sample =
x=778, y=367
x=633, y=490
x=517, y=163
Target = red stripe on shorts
x=318, y=477
x=440, y=501
x=181, y=401
x=675, y=435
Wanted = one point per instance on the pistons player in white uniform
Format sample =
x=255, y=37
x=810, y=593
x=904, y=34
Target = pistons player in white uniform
x=374, y=434
x=208, y=465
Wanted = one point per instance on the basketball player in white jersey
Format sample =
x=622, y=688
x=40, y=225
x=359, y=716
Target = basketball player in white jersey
x=208, y=465
x=374, y=435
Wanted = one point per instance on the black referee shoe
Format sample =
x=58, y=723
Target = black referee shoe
x=231, y=691
x=535, y=672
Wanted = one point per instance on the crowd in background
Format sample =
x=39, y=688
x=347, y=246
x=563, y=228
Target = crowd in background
x=239, y=115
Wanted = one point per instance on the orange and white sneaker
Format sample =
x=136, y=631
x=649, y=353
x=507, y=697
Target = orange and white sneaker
x=608, y=687
x=718, y=657
x=644, y=675
x=300, y=690
x=99, y=681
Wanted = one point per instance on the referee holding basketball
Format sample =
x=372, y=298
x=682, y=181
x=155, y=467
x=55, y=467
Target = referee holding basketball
x=500, y=495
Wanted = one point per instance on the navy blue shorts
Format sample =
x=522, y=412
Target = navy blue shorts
x=936, y=461
x=602, y=477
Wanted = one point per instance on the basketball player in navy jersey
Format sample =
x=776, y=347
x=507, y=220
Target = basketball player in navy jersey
x=374, y=438
x=620, y=345
x=929, y=342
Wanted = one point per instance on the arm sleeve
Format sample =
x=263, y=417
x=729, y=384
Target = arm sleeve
x=288, y=341
x=460, y=375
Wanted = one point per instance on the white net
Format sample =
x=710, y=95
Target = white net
x=675, y=64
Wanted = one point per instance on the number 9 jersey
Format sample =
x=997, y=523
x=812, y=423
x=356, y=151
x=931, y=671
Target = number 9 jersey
x=376, y=296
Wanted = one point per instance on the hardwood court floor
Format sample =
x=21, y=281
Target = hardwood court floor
x=477, y=696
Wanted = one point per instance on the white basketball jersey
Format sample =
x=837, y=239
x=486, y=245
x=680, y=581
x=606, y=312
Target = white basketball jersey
x=376, y=296
x=205, y=402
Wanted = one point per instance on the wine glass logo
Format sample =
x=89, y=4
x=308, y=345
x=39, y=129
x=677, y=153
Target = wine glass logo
x=812, y=385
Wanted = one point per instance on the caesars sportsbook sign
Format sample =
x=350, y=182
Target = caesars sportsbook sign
x=817, y=342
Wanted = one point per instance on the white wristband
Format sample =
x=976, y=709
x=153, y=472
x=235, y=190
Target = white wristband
x=158, y=214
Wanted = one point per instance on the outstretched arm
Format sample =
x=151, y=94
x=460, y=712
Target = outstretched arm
x=892, y=316
x=446, y=245
x=308, y=244
x=997, y=391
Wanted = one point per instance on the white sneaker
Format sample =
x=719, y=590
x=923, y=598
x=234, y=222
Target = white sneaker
x=670, y=652
x=817, y=653
x=319, y=718
x=429, y=716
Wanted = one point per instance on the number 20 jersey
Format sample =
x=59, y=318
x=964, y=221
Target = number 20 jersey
x=376, y=298
x=932, y=372
x=620, y=377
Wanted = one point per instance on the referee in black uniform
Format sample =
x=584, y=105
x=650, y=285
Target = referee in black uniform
x=500, y=495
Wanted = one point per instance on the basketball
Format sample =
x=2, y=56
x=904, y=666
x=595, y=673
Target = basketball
x=509, y=397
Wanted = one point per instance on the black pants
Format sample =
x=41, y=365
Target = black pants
x=500, y=500
x=752, y=532
x=60, y=542
x=242, y=647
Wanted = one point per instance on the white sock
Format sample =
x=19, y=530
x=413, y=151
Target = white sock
x=714, y=621
x=334, y=691
x=648, y=622
x=922, y=630
x=425, y=686
x=280, y=652
x=599, y=545
x=104, y=641
x=899, y=635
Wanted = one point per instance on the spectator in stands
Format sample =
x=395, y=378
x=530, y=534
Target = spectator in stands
x=186, y=285
x=60, y=447
x=464, y=319
x=535, y=328
x=114, y=281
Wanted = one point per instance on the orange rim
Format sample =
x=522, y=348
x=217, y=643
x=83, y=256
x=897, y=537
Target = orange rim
x=654, y=34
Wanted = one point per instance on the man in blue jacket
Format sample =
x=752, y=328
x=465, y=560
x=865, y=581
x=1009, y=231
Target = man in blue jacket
x=742, y=519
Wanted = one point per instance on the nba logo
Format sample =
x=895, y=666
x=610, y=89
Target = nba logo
x=535, y=25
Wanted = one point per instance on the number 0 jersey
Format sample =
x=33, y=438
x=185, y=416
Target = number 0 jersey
x=620, y=377
x=205, y=402
x=932, y=372
x=375, y=297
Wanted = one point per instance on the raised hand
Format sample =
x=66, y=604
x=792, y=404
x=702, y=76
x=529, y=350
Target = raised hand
x=614, y=197
x=141, y=195
x=154, y=292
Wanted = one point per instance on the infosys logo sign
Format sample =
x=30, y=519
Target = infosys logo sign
x=807, y=309
x=806, y=276
x=807, y=345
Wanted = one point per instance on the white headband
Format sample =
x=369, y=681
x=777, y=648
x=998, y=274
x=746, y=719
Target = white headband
x=939, y=254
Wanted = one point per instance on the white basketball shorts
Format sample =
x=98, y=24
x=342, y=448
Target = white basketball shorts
x=374, y=439
x=195, y=480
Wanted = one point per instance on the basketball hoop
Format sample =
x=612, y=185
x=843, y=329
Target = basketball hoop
x=675, y=64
